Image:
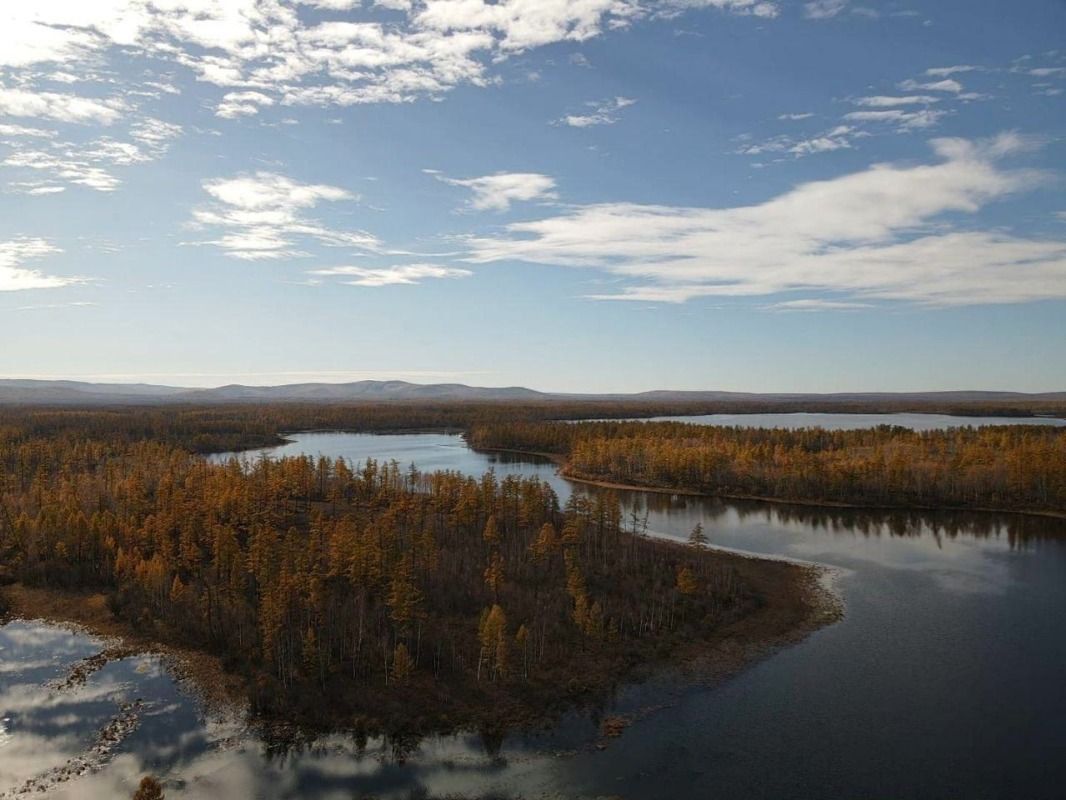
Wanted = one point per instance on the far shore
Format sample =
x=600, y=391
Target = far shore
x=565, y=472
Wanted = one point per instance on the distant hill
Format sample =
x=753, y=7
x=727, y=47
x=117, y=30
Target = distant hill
x=64, y=392
x=38, y=392
x=359, y=390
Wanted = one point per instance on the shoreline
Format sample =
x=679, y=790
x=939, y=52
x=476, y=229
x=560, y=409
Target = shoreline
x=87, y=612
x=562, y=463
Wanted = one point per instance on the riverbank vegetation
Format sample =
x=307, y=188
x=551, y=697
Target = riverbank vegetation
x=1020, y=468
x=368, y=592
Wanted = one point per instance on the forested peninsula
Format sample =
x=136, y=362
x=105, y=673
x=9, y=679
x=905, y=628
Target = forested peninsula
x=368, y=595
x=1002, y=468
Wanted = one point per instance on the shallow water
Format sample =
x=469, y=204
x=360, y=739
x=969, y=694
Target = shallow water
x=943, y=680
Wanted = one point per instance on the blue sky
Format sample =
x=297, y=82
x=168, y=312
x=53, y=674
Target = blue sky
x=574, y=195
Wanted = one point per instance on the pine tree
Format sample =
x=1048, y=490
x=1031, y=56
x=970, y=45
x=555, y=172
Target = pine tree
x=697, y=538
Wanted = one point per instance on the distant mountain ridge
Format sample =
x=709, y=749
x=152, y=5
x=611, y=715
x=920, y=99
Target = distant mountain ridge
x=63, y=392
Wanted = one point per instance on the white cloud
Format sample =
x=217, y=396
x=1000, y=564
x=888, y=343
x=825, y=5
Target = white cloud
x=824, y=9
x=877, y=234
x=947, y=72
x=522, y=24
x=793, y=117
x=604, y=112
x=265, y=190
x=756, y=8
x=268, y=47
x=335, y=5
x=904, y=120
x=35, y=187
x=838, y=138
x=814, y=304
x=403, y=275
x=14, y=276
x=1048, y=72
x=242, y=104
x=946, y=85
x=69, y=168
x=882, y=101
x=87, y=164
x=155, y=133
x=497, y=192
x=261, y=216
x=59, y=107
x=21, y=130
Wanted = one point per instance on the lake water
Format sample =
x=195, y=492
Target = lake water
x=943, y=680
x=846, y=422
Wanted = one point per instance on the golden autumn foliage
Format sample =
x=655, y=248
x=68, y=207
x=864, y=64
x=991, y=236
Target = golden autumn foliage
x=1005, y=467
x=331, y=583
x=686, y=581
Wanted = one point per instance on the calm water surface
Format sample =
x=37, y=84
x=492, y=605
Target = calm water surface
x=844, y=422
x=944, y=680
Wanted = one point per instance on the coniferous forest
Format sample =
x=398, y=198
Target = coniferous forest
x=1019, y=468
x=337, y=591
x=369, y=591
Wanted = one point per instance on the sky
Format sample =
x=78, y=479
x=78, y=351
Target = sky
x=571, y=195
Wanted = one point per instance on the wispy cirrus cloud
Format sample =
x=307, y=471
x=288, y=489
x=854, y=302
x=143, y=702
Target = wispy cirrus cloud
x=261, y=216
x=498, y=191
x=901, y=119
x=824, y=9
x=90, y=164
x=15, y=275
x=816, y=304
x=878, y=234
x=946, y=85
x=840, y=137
x=400, y=275
x=947, y=72
x=602, y=112
x=889, y=101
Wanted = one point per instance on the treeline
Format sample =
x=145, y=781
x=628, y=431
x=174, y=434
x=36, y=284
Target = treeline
x=1002, y=467
x=239, y=426
x=341, y=589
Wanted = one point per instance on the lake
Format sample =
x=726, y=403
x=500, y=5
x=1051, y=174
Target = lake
x=846, y=422
x=944, y=679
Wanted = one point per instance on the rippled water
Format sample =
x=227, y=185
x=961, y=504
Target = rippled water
x=943, y=680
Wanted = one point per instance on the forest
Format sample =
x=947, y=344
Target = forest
x=1015, y=468
x=414, y=601
x=371, y=592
